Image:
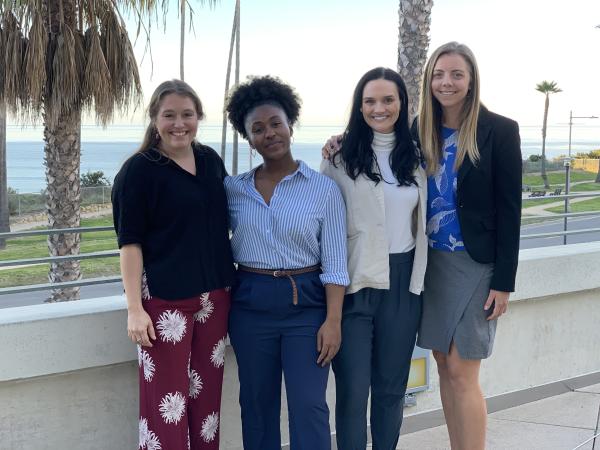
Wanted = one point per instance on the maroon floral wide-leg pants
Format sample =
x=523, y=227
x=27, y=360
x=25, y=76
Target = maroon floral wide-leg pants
x=181, y=375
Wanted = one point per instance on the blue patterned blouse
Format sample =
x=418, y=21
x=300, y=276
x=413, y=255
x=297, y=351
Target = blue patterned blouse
x=443, y=228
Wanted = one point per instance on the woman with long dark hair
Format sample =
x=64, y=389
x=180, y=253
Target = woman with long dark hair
x=170, y=215
x=383, y=184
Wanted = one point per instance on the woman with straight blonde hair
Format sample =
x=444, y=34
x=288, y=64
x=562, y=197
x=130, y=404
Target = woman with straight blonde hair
x=473, y=162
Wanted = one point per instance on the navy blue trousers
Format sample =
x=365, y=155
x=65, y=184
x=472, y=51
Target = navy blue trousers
x=379, y=328
x=270, y=335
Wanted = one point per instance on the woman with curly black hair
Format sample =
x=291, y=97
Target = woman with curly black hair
x=384, y=186
x=289, y=240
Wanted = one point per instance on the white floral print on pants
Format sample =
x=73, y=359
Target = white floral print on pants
x=181, y=375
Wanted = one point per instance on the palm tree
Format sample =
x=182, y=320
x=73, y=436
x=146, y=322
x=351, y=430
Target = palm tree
x=4, y=214
x=546, y=88
x=61, y=58
x=413, y=42
x=183, y=5
x=235, y=39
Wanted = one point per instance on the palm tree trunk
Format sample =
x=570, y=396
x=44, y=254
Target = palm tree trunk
x=598, y=175
x=237, y=82
x=544, y=125
x=182, y=41
x=234, y=163
x=227, y=78
x=413, y=42
x=4, y=214
x=62, y=152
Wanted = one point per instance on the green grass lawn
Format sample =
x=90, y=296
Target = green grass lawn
x=583, y=206
x=558, y=178
x=586, y=187
x=36, y=247
x=38, y=274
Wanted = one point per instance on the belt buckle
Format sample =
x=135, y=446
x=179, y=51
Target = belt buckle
x=276, y=273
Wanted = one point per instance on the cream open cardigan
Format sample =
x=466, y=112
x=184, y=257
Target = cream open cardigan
x=368, y=260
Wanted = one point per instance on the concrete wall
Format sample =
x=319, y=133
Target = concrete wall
x=68, y=374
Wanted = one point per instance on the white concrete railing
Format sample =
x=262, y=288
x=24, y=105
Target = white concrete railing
x=68, y=374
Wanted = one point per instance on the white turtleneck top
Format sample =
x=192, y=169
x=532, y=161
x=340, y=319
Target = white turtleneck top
x=400, y=201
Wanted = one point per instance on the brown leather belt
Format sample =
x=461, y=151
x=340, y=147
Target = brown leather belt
x=282, y=273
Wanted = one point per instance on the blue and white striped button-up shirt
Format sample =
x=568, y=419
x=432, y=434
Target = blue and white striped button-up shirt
x=304, y=224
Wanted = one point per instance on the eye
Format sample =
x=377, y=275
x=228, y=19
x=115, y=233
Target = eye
x=257, y=130
x=368, y=101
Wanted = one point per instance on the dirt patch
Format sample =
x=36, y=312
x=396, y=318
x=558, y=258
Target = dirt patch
x=27, y=221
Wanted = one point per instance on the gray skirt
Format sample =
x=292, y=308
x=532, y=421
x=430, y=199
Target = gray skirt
x=456, y=289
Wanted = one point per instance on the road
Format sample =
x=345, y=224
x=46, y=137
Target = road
x=35, y=298
x=104, y=290
x=557, y=225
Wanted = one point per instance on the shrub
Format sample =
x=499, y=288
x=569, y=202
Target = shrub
x=94, y=179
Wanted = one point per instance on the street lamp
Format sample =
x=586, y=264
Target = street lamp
x=571, y=117
x=567, y=163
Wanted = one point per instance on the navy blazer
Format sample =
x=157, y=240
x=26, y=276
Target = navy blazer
x=489, y=197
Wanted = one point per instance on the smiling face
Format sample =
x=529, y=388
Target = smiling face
x=451, y=82
x=381, y=105
x=269, y=132
x=176, y=123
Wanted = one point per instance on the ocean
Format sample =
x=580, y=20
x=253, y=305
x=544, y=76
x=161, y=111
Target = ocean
x=106, y=149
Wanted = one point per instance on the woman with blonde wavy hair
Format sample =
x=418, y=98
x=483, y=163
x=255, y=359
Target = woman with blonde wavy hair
x=473, y=162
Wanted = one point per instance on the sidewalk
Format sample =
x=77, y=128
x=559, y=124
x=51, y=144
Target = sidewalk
x=561, y=422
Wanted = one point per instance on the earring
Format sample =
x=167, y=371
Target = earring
x=253, y=152
x=291, y=140
x=156, y=135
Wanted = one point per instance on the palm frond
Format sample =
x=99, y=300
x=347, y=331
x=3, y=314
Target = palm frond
x=14, y=46
x=548, y=87
x=35, y=64
x=61, y=55
x=64, y=94
x=2, y=62
x=80, y=61
x=113, y=54
x=130, y=77
x=96, y=78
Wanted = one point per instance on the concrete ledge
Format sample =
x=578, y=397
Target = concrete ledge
x=556, y=270
x=62, y=337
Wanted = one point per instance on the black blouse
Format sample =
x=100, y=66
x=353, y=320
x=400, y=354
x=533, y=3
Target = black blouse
x=180, y=221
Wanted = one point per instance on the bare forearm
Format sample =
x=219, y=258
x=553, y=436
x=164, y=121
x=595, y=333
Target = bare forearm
x=329, y=336
x=335, y=300
x=131, y=270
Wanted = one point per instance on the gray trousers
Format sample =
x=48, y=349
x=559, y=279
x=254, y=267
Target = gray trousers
x=379, y=328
